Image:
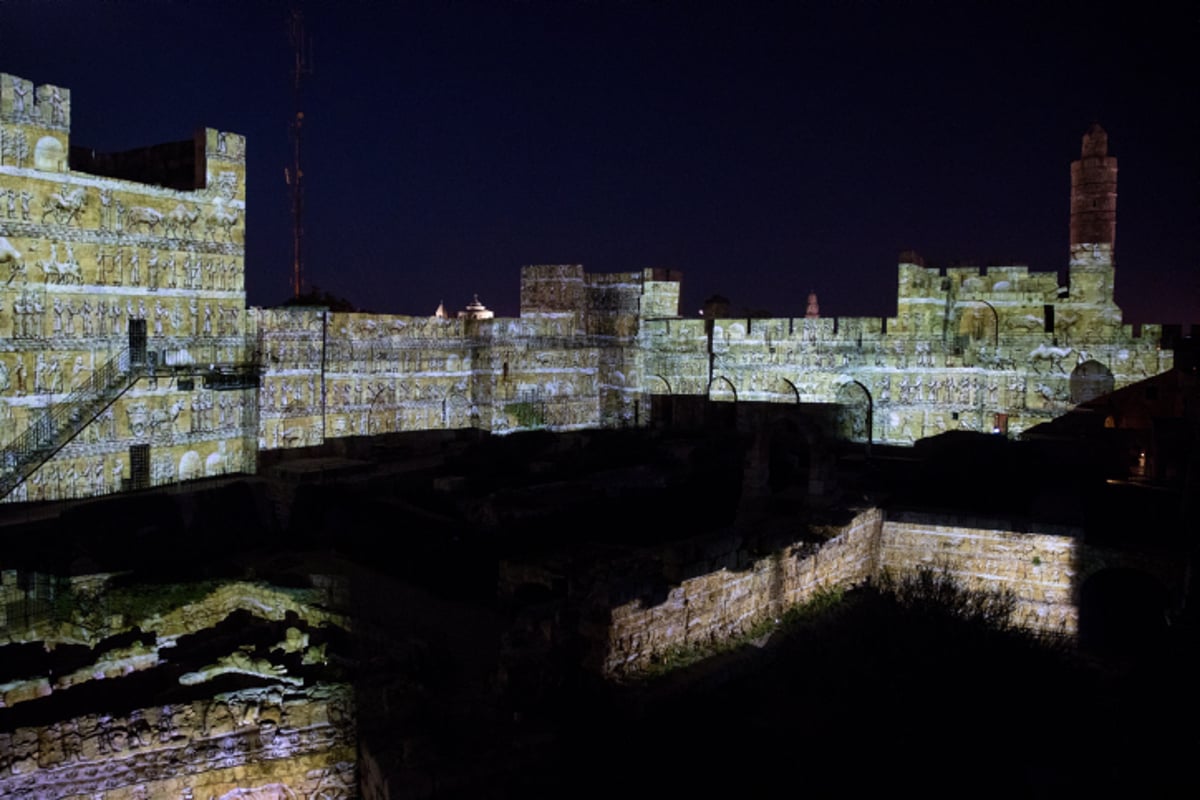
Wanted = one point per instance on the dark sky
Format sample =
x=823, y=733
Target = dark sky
x=764, y=149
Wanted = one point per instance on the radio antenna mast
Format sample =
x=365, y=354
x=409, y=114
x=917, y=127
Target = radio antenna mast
x=302, y=67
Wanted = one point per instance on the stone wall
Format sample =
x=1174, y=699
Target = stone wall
x=727, y=602
x=567, y=363
x=83, y=258
x=995, y=349
x=86, y=258
x=210, y=690
x=715, y=605
x=1000, y=349
x=1039, y=567
x=848, y=558
x=295, y=745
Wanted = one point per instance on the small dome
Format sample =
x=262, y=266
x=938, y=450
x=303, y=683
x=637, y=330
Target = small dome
x=476, y=310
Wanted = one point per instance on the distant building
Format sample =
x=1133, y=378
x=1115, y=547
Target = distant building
x=476, y=310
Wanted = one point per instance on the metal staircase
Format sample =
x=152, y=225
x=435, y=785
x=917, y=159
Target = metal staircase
x=52, y=427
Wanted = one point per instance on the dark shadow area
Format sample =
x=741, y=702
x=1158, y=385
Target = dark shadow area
x=482, y=575
x=931, y=701
x=1122, y=612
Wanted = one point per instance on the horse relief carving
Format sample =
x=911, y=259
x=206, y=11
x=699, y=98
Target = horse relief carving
x=64, y=206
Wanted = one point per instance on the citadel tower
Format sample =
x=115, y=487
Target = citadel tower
x=1093, y=218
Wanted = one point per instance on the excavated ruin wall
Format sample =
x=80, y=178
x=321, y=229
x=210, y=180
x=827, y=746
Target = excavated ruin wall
x=1038, y=568
x=137, y=691
x=726, y=603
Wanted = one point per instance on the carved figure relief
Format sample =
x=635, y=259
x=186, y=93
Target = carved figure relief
x=10, y=259
x=64, y=206
x=16, y=148
x=144, y=216
x=181, y=219
x=1048, y=353
x=221, y=220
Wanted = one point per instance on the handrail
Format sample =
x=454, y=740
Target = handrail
x=53, y=426
x=59, y=422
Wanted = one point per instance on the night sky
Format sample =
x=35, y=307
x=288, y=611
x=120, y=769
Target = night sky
x=764, y=149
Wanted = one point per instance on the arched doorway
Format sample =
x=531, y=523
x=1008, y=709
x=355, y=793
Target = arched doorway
x=854, y=411
x=783, y=391
x=722, y=390
x=1090, y=380
x=657, y=384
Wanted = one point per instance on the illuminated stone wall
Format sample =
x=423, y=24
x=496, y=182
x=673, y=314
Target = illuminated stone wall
x=1041, y=569
x=81, y=255
x=999, y=349
x=85, y=255
x=187, y=710
x=567, y=363
x=291, y=397
x=725, y=602
x=974, y=350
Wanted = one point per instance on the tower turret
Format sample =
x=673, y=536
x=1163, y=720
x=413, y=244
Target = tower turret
x=1094, y=192
x=1093, y=219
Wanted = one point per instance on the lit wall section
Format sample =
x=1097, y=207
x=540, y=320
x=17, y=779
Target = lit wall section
x=88, y=257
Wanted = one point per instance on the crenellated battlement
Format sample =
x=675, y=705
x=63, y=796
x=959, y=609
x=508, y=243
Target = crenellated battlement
x=35, y=125
x=1005, y=283
x=99, y=251
x=46, y=106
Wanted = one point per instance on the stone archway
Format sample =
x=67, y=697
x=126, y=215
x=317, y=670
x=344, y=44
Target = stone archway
x=783, y=391
x=659, y=384
x=722, y=390
x=1090, y=380
x=971, y=322
x=190, y=466
x=854, y=411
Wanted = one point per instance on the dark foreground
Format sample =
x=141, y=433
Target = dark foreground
x=865, y=695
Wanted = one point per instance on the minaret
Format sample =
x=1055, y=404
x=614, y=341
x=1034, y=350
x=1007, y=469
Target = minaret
x=1093, y=219
x=814, y=309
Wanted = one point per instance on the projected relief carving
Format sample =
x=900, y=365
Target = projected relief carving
x=124, y=269
x=85, y=258
x=91, y=253
x=287, y=727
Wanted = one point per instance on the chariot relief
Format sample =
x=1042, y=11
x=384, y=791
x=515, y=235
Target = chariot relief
x=64, y=206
